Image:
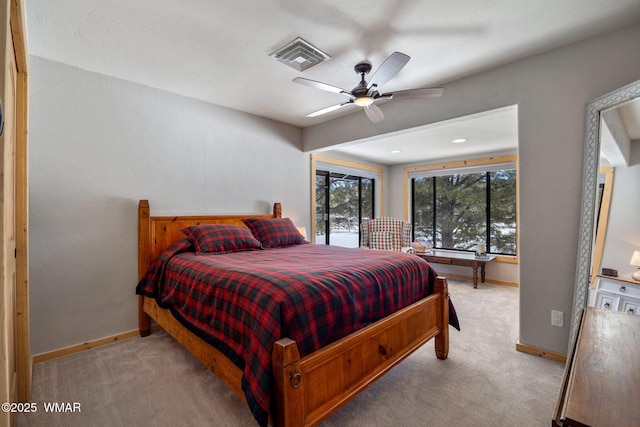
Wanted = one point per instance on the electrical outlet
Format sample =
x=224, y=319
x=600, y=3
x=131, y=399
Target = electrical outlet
x=557, y=318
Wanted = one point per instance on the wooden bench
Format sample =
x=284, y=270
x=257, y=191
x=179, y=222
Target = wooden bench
x=458, y=258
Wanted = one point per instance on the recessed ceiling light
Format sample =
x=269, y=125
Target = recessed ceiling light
x=459, y=140
x=395, y=151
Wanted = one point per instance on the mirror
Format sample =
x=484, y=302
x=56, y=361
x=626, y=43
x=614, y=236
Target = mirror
x=590, y=196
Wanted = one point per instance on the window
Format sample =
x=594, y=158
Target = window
x=342, y=202
x=459, y=209
x=343, y=194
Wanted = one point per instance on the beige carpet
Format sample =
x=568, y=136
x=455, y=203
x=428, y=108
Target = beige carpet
x=154, y=382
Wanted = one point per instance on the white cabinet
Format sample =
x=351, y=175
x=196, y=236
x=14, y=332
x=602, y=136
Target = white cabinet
x=617, y=294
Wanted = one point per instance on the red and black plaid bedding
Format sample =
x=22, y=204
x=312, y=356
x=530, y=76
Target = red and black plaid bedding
x=243, y=302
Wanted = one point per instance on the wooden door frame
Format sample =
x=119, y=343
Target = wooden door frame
x=23, y=353
x=602, y=220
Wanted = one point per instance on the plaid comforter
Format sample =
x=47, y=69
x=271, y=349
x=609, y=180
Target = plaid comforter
x=243, y=302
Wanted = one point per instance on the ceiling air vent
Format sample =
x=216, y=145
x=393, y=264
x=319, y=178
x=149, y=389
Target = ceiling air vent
x=300, y=55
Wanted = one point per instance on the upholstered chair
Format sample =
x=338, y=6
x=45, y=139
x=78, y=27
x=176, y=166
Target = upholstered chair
x=385, y=233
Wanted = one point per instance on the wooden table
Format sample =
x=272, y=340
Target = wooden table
x=600, y=384
x=460, y=258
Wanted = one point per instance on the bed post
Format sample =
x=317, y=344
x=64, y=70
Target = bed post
x=277, y=210
x=442, y=339
x=289, y=385
x=144, y=252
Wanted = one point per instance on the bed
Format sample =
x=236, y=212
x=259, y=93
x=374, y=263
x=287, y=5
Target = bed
x=294, y=362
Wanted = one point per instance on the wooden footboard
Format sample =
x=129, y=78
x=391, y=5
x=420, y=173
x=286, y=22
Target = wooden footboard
x=308, y=389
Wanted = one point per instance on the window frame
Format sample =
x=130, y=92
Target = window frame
x=352, y=168
x=328, y=176
x=464, y=166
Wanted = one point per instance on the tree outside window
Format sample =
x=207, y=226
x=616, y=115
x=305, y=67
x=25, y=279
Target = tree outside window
x=342, y=203
x=460, y=210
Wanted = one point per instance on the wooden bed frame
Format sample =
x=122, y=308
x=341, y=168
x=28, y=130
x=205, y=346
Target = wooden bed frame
x=307, y=389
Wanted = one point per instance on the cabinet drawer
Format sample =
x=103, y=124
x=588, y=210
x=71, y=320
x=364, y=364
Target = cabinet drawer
x=437, y=260
x=630, y=306
x=607, y=301
x=621, y=288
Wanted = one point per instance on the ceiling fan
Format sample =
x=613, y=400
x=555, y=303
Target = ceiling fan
x=366, y=94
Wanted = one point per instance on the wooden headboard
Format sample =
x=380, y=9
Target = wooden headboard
x=157, y=233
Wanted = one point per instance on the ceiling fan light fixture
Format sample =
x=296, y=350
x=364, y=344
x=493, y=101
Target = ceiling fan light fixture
x=363, y=101
x=366, y=94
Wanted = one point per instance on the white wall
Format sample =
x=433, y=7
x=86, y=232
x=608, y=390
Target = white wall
x=551, y=91
x=97, y=146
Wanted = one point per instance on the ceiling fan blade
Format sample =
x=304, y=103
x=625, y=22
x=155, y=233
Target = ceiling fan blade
x=389, y=68
x=432, y=92
x=329, y=109
x=374, y=113
x=321, y=86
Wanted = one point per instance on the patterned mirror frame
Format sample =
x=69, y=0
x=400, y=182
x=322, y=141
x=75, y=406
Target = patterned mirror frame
x=589, y=183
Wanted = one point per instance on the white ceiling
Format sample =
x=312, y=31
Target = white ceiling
x=219, y=50
x=491, y=131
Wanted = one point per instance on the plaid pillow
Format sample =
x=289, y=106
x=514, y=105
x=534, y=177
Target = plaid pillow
x=381, y=240
x=274, y=232
x=221, y=238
